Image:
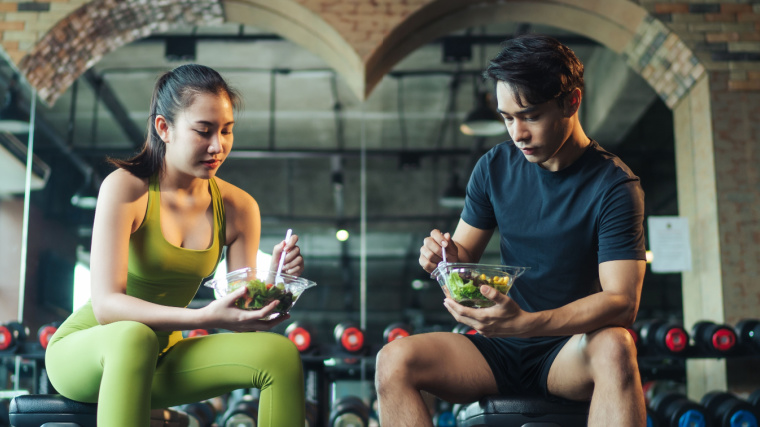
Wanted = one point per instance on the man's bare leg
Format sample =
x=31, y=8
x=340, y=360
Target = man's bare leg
x=445, y=364
x=601, y=366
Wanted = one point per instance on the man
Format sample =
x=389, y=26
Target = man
x=570, y=211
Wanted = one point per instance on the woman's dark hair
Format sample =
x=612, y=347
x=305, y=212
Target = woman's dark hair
x=538, y=68
x=175, y=90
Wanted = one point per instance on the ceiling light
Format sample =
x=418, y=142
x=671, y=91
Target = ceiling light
x=418, y=284
x=341, y=235
x=483, y=120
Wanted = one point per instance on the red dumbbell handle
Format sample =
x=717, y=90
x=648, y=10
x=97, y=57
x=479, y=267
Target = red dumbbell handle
x=352, y=339
x=723, y=339
x=45, y=334
x=676, y=340
x=301, y=338
x=397, y=333
x=6, y=338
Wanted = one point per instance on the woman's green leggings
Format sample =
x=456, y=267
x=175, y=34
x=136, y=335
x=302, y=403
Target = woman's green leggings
x=117, y=365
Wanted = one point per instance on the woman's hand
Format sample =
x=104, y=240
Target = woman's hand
x=293, y=263
x=224, y=314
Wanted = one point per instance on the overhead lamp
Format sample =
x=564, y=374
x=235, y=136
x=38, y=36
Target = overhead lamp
x=483, y=120
x=86, y=197
x=454, y=195
x=12, y=120
x=342, y=235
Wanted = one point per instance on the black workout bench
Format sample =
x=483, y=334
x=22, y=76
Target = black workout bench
x=53, y=410
x=514, y=411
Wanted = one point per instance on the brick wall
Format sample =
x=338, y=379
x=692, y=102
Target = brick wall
x=364, y=23
x=725, y=35
x=736, y=126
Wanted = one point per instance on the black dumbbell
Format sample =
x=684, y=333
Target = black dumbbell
x=727, y=410
x=349, y=337
x=754, y=399
x=676, y=410
x=461, y=328
x=302, y=335
x=243, y=413
x=203, y=413
x=12, y=336
x=349, y=411
x=713, y=339
x=654, y=388
x=662, y=337
x=5, y=419
x=748, y=335
x=395, y=331
x=653, y=420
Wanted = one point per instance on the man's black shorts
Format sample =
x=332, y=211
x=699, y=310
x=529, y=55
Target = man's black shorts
x=520, y=365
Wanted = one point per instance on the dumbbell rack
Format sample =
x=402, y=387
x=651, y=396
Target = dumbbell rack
x=326, y=365
x=33, y=376
x=661, y=358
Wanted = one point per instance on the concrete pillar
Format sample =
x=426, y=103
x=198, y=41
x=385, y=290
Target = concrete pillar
x=716, y=133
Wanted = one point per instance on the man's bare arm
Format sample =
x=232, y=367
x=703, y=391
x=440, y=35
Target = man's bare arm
x=615, y=305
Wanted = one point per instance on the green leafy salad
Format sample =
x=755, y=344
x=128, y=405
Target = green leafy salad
x=260, y=294
x=465, y=289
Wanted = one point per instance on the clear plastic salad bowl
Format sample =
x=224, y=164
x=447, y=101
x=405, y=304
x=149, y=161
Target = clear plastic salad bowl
x=461, y=281
x=262, y=289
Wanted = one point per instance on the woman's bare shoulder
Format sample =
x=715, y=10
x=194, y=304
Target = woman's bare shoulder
x=123, y=185
x=234, y=197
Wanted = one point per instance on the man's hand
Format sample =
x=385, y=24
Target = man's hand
x=431, y=252
x=504, y=319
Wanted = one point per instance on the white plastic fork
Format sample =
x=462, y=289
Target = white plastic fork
x=278, y=277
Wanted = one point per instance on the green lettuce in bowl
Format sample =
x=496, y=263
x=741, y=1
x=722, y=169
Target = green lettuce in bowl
x=262, y=288
x=462, y=281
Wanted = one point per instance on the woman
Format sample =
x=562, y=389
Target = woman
x=161, y=222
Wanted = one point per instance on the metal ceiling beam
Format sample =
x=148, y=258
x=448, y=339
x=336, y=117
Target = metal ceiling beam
x=105, y=93
x=352, y=220
x=243, y=153
x=471, y=39
x=407, y=155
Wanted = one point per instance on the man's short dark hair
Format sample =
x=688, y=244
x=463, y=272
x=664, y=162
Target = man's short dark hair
x=538, y=68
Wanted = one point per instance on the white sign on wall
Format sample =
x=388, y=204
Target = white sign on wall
x=669, y=243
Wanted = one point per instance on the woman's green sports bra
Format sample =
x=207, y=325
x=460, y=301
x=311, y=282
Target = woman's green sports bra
x=165, y=274
x=160, y=272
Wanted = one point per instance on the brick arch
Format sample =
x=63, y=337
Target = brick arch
x=81, y=38
x=648, y=46
x=302, y=22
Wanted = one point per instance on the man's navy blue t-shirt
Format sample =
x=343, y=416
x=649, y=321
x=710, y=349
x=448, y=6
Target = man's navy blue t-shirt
x=560, y=224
